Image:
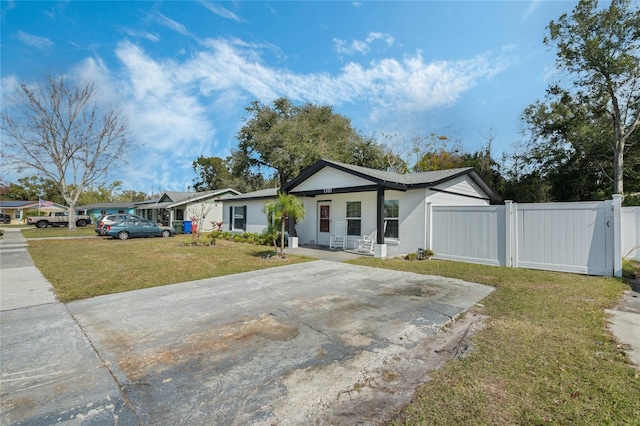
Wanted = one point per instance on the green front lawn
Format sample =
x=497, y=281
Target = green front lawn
x=61, y=231
x=88, y=267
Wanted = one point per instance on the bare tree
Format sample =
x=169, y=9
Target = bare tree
x=59, y=130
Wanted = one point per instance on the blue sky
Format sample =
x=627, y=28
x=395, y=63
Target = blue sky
x=184, y=71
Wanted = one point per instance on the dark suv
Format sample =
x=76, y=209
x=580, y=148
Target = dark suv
x=5, y=218
x=113, y=218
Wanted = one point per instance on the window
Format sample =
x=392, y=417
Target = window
x=391, y=218
x=238, y=218
x=354, y=213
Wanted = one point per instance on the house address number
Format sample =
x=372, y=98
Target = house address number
x=328, y=190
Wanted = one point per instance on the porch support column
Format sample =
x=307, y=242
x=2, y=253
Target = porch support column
x=380, y=249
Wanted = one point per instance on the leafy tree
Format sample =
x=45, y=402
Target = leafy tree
x=32, y=188
x=214, y=173
x=131, y=195
x=100, y=194
x=600, y=50
x=59, y=130
x=486, y=166
x=285, y=139
x=278, y=211
x=571, y=151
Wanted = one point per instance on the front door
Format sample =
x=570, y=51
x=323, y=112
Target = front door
x=324, y=223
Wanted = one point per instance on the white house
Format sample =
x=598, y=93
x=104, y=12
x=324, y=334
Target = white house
x=391, y=207
x=201, y=207
x=245, y=213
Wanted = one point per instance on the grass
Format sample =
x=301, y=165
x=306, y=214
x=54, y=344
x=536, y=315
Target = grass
x=545, y=356
x=63, y=231
x=88, y=267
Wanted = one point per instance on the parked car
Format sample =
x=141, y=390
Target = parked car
x=136, y=227
x=112, y=219
x=5, y=218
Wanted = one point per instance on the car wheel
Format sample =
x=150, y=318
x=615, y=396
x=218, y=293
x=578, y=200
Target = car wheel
x=42, y=224
x=7, y=221
x=166, y=233
x=123, y=235
x=81, y=223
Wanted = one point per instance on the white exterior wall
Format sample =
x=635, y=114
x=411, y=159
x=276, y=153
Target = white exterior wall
x=256, y=218
x=308, y=228
x=206, y=211
x=630, y=218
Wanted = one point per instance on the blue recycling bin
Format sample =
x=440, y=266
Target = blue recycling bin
x=187, y=226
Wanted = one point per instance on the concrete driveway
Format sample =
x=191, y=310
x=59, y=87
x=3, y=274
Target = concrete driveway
x=319, y=342
x=274, y=346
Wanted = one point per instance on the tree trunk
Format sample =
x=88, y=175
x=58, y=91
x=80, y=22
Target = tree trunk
x=283, y=219
x=72, y=218
x=618, y=169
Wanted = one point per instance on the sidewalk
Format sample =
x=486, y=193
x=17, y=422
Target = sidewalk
x=50, y=372
x=624, y=322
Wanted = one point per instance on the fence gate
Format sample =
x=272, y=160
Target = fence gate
x=566, y=237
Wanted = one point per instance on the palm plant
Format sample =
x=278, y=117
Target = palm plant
x=286, y=206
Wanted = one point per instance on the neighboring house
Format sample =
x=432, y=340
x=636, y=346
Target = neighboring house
x=394, y=206
x=18, y=209
x=205, y=207
x=95, y=211
x=245, y=213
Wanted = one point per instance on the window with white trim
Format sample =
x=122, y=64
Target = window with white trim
x=392, y=218
x=238, y=218
x=354, y=218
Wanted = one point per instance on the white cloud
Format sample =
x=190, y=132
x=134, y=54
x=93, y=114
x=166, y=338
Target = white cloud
x=361, y=46
x=8, y=87
x=142, y=34
x=221, y=11
x=177, y=94
x=176, y=106
x=171, y=24
x=533, y=6
x=42, y=43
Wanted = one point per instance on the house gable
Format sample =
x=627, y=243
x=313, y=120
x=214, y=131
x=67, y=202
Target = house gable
x=461, y=190
x=328, y=179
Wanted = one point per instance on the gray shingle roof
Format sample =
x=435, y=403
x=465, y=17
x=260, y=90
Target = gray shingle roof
x=263, y=193
x=404, y=179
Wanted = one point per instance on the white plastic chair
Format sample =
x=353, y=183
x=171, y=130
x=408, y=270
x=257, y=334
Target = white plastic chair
x=338, y=238
x=368, y=242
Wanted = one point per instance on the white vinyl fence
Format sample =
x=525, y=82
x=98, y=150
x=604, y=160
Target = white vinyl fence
x=630, y=219
x=582, y=237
